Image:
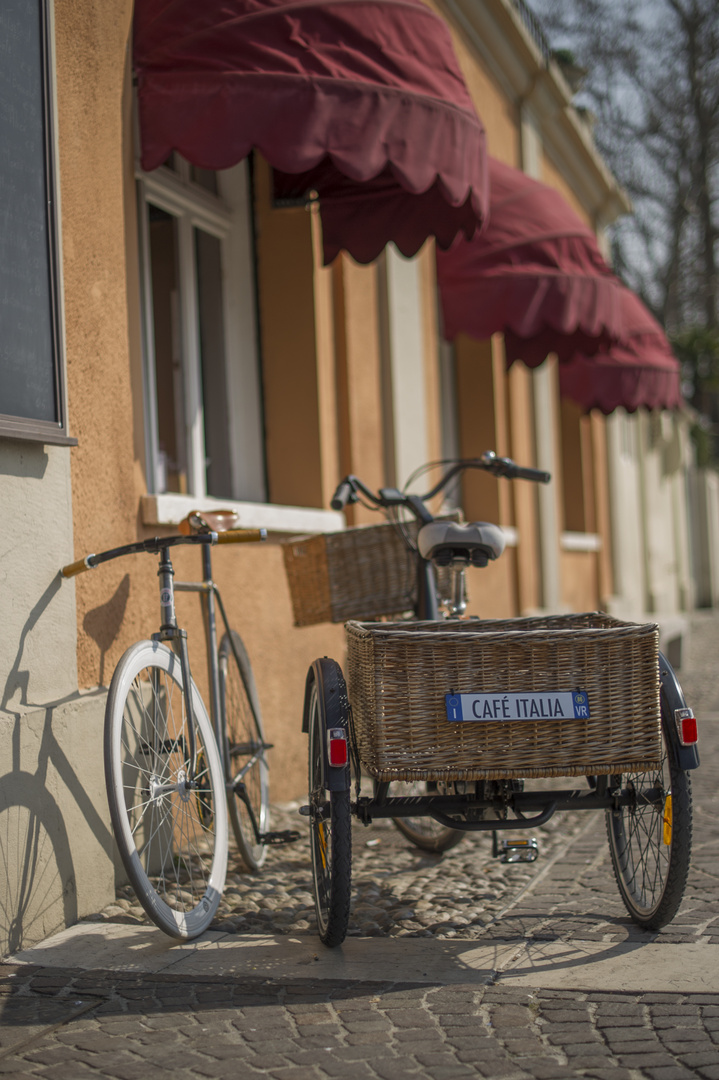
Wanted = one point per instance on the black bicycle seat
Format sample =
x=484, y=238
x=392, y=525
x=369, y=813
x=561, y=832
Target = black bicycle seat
x=448, y=543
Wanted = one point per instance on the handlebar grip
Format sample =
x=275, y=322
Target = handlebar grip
x=241, y=536
x=538, y=475
x=79, y=567
x=341, y=496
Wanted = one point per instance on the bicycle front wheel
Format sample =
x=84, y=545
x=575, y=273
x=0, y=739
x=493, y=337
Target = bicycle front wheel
x=171, y=831
x=650, y=841
x=246, y=764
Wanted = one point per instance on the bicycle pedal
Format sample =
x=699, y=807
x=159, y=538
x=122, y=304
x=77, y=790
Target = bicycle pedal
x=284, y=836
x=514, y=851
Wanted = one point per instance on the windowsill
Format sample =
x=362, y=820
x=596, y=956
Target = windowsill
x=27, y=432
x=170, y=509
x=577, y=541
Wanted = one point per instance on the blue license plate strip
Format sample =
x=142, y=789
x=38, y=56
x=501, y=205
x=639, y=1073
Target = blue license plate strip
x=486, y=708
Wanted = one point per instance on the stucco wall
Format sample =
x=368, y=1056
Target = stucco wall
x=117, y=604
x=37, y=660
x=54, y=825
x=55, y=833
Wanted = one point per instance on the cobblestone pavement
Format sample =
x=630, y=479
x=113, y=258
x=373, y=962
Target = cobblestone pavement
x=72, y=1023
x=161, y=1026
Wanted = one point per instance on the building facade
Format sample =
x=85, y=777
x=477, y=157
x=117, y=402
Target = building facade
x=205, y=357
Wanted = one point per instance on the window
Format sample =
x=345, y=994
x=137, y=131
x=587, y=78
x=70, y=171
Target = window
x=204, y=433
x=32, y=391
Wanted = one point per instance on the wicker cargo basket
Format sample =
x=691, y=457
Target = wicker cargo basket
x=359, y=573
x=400, y=673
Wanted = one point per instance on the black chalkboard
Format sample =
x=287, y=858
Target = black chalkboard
x=29, y=360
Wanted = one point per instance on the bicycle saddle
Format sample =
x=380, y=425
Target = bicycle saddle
x=214, y=520
x=448, y=543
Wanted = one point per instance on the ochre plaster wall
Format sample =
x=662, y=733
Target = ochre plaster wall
x=580, y=585
x=430, y=337
x=551, y=175
x=602, y=508
x=91, y=50
x=498, y=114
x=117, y=603
x=359, y=377
x=289, y=309
x=524, y=494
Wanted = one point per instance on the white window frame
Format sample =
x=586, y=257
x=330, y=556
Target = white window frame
x=226, y=217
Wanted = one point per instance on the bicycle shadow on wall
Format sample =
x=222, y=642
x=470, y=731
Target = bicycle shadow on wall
x=38, y=893
x=37, y=872
x=103, y=623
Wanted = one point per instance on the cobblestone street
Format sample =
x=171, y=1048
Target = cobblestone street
x=548, y=1018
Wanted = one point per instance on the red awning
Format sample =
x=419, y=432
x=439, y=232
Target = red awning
x=641, y=371
x=535, y=274
x=364, y=98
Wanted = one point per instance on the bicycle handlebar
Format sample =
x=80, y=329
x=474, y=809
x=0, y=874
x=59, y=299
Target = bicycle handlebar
x=351, y=487
x=154, y=545
x=509, y=469
x=341, y=496
x=78, y=567
x=241, y=536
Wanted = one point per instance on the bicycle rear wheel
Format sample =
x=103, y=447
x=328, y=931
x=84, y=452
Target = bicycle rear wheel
x=245, y=750
x=172, y=836
x=650, y=841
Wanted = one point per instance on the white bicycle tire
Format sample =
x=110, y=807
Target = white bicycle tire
x=182, y=924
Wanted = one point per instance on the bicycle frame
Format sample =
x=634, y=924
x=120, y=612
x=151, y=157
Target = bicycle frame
x=211, y=600
x=170, y=631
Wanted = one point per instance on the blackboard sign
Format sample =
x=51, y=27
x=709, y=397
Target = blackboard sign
x=31, y=386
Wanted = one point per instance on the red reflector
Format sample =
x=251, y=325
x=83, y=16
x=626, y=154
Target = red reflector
x=337, y=747
x=690, y=733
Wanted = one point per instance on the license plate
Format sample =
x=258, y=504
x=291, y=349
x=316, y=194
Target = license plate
x=555, y=705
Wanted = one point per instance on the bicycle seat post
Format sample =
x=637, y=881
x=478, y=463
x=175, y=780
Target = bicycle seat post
x=168, y=620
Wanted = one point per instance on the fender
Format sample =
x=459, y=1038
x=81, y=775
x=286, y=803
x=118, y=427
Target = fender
x=673, y=698
x=334, y=711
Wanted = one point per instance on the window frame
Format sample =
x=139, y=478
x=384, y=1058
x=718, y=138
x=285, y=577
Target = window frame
x=193, y=207
x=28, y=428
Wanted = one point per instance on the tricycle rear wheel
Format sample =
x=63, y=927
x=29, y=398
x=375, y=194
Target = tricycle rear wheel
x=330, y=832
x=650, y=841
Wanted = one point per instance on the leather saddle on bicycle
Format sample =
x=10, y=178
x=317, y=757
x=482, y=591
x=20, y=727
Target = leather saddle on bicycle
x=214, y=520
x=448, y=543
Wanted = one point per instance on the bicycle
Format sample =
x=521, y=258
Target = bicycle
x=173, y=772
x=644, y=788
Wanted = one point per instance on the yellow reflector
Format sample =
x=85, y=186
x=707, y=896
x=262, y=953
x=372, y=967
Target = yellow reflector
x=667, y=837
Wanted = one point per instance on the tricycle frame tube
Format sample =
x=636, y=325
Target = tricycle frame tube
x=543, y=803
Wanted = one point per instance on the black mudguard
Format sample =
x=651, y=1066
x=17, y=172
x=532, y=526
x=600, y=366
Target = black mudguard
x=673, y=698
x=334, y=707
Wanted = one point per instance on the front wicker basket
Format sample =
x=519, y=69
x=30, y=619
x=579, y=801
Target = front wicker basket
x=399, y=674
x=360, y=573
